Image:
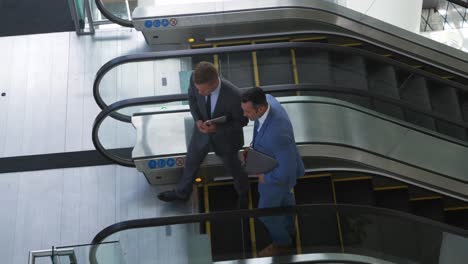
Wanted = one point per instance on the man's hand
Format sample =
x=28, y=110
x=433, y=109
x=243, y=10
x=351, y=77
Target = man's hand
x=243, y=156
x=201, y=126
x=261, y=178
x=210, y=127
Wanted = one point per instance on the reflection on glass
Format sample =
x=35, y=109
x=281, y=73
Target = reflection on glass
x=118, y=8
x=353, y=230
x=108, y=253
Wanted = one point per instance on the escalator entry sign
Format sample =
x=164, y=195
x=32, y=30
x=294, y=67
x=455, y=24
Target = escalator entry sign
x=152, y=164
x=173, y=22
x=180, y=162
x=170, y=162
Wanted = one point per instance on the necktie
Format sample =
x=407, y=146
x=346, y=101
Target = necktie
x=208, y=106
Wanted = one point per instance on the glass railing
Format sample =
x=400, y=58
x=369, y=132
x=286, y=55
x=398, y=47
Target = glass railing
x=378, y=235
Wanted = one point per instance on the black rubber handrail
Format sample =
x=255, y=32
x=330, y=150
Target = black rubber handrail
x=152, y=56
x=152, y=100
x=112, y=17
x=459, y=2
x=255, y=213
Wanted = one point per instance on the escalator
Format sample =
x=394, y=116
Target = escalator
x=377, y=124
x=380, y=158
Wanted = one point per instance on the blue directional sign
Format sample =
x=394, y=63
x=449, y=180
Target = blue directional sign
x=156, y=23
x=161, y=163
x=165, y=22
x=170, y=162
x=148, y=23
x=152, y=164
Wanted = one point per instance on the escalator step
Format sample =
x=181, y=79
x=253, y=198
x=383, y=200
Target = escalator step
x=458, y=218
x=237, y=68
x=310, y=190
x=429, y=207
x=357, y=190
x=230, y=238
x=319, y=231
x=275, y=67
x=392, y=198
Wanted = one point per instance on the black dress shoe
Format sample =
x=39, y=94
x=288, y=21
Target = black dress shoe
x=170, y=196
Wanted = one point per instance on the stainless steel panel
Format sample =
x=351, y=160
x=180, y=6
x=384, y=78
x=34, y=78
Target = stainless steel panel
x=235, y=19
x=344, y=131
x=311, y=258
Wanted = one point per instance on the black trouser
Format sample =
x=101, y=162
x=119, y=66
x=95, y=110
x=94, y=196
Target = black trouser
x=195, y=157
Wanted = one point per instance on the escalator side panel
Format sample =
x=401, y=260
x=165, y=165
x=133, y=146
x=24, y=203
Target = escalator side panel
x=275, y=67
x=414, y=91
x=382, y=79
x=314, y=67
x=371, y=235
x=237, y=68
x=444, y=100
x=350, y=71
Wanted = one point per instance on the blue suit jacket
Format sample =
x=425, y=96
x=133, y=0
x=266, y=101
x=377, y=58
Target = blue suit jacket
x=276, y=139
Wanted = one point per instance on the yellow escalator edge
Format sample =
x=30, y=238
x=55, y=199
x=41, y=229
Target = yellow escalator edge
x=353, y=179
x=233, y=43
x=448, y=77
x=296, y=75
x=456, y=208
x=386, y=188
x=216, y=60
x=207, y=209
x=271, y=40
x=354, y=44
x=255, y=68
x=312, y=176
x=298, y=233
x=340, y=234
x=205, y=45
x=426, y=198
x=252, y=228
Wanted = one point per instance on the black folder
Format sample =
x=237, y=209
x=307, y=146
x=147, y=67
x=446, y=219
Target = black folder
x=257, y=162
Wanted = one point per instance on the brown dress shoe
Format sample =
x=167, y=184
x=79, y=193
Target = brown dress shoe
x=275, y=250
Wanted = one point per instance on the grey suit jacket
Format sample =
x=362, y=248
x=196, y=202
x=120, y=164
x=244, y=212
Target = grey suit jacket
x=229, y=137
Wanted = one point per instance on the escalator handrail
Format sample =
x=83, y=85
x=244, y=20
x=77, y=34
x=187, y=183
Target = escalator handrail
x=459, y=2
x=115, y=19
x=151, y=100
x=298, y=209
x=151, y=56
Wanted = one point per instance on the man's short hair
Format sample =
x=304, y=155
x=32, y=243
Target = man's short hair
x=205, y=72
x=256, y=96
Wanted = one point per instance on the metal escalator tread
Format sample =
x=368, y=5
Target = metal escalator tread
x=396, y=199
x=227, y=239
x=318, y=230
x=457, y=218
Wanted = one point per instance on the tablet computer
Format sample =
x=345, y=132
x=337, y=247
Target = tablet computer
x=257, y=162
x=217, y=120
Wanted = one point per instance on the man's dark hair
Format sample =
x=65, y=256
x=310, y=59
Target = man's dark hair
x=256, y=96
x=205, y=72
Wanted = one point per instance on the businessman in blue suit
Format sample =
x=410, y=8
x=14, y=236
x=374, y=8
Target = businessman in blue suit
x=274, y=136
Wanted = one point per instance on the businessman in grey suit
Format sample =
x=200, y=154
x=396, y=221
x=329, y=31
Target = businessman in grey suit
x=211, y=97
